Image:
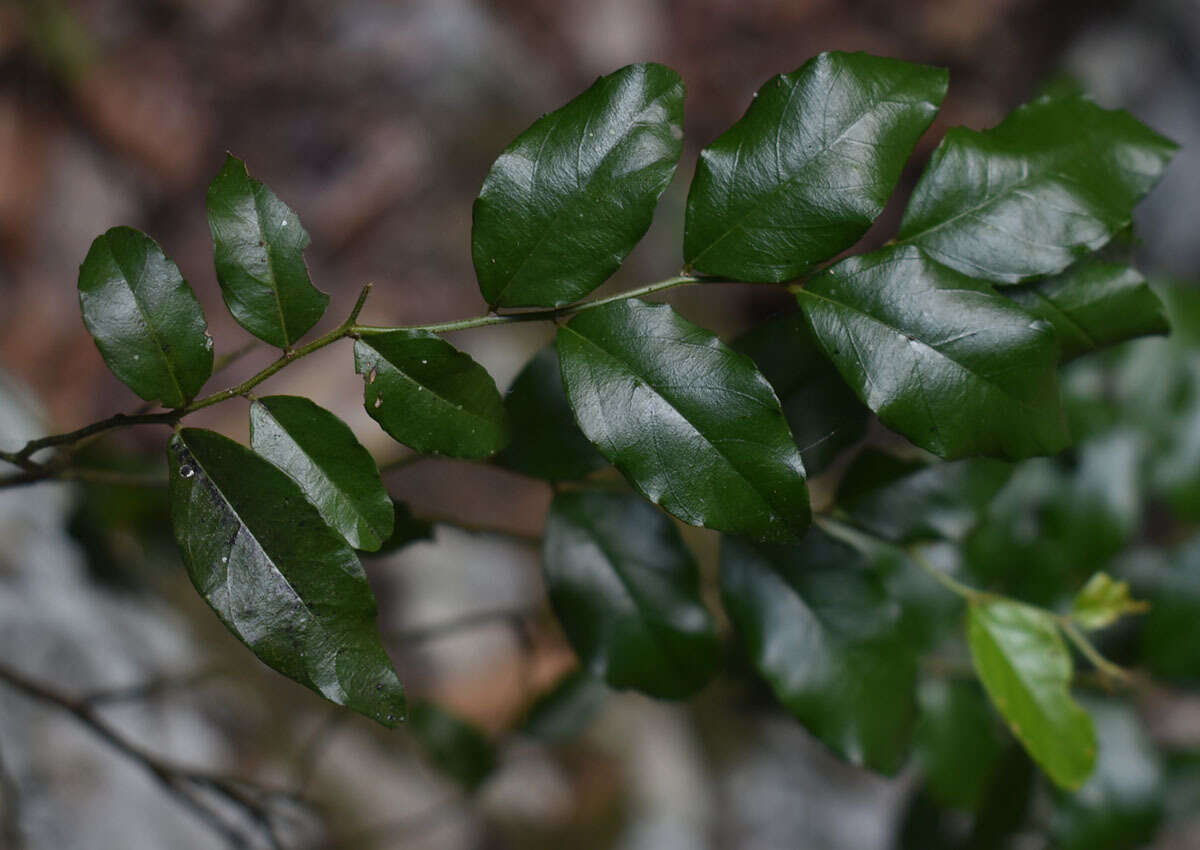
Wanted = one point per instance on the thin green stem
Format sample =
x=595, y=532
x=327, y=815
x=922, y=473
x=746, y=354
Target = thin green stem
x=32, y=470
x=1106, y=668
x=534, y=315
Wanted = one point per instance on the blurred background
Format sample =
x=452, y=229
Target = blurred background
x=376, y=122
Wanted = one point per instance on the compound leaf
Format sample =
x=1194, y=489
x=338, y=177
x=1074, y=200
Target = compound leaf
x=808, y=168
x=322, y=455
x=690, y=422
x=1055, y=180
x=281, y=580
x=144, y=317
x=258, y=249
x=943, y=359
x=570, y=197
x=429, y=395
x=1026, y=669
x=819, y=627
x=627, y=593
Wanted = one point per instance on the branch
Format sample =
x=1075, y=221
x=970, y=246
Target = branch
x=182, y=783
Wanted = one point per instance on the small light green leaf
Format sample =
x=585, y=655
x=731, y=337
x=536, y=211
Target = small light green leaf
x=1026, y=669
x=1092, y=305
x=144, y=318
x=820, y=629
x=279, y=578
x=258, y=247
x=429, y=395
x=957, y=742
x=546, y=441
x=321, y=454
x=1056, y=179
x=691, y=423
x=941, y=358
x=455, y=747
x=1103, y=601
x=627, y=593
x=823, y=413
x=570, y=197
x=808, y=168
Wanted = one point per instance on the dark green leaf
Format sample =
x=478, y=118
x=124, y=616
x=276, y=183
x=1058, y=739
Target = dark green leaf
x=406, y=529
x=942, y=358
x=570, y=197
x=279, y=578
x=455, y=747
x=1053, y=181
x=808, y=168
x=822, y=632
x=144, y=317
x=824, y=415
x=564, y=711
x=546, y=442
x=1093, y=305
x=429, y=395
x=321, y=454
x=957, y=742
x=1171, y=641
x=1121, y=806
x=258, y=247
x=1026, y=669
x=627, y=593
x=1103, y=601
x=904, y=501
x=691, y=423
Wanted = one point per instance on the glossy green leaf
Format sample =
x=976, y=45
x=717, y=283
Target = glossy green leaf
x=941, y=358
x=455, y=747
x=429, y=395
x=1122, y=804
x=144, y=318
x=822, y=632
x=258, y=248
x=691, y=423
x=321, y=454
x=627, y=593
x=279, y=578
x=1026, y=669
x=904, y=501
x=808, y=168
x=1171, y=640
x=824, y=415
x=1103, y=601
x=570, y=197
x=546, y=442
x=1056, y=179
x=1093, y=305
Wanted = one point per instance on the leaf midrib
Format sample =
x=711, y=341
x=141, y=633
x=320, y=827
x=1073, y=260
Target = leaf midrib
x=150, y=327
